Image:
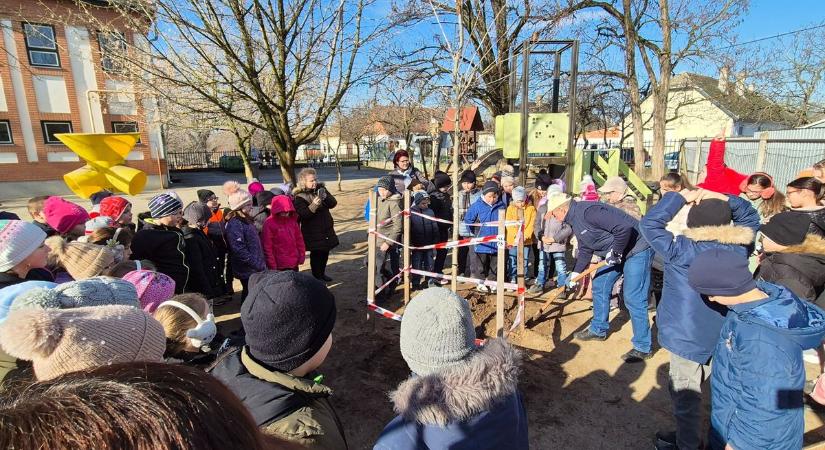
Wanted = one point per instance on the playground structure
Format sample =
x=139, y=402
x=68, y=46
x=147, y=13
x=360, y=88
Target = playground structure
x=104, y=154
x=406, y=270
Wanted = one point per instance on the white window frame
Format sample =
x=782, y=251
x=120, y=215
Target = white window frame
x=117, y=123
x=33, y=49
x=44, y=124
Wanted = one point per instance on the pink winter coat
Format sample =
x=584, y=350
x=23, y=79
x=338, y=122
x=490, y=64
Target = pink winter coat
x=281, y=236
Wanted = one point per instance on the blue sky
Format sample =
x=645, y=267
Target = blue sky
x=768, y=17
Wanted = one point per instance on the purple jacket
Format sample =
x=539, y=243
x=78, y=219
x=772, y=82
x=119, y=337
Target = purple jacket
x=245, y=251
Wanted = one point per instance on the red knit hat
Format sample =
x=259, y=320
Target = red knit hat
x=63, y=215
x=113, y=207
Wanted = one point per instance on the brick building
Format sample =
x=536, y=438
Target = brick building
x=57, y=74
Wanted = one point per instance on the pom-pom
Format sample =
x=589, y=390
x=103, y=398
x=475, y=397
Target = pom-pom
x=29, y=333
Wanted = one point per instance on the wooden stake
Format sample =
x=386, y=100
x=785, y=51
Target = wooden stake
x=371, y=246
x=500, y=267
x=406, y=248
x=520, y=268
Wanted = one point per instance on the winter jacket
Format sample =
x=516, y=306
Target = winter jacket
x=472, y=406
x=817, y=218
x=215, y=230
x=800, y=268
x=628, y=204
x=465, y=201
x=689, y=324
x=442, y=206
x=403, y=179
x=422, y=231
x=719, y=177
x=538, y=226
x=9, y=279
x=291, y=408
x=202, y=261
x=245, y=252
x=529, y=223
x=758, y=372
x=45, y=227
x=481, y=212
x=559, y=231
x=317, y=225
x=166, y=248
x=281, y=237
x=600, y=228
x=390, y=207
x=259, y=214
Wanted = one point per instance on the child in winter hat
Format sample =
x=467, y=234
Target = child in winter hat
x=238, y=199
x=118, y=208
x=588, y=189
x=81, y=259
x=153, y=288
x=19, y=241
x=10, y=294
x=254, y=187
x=65, y=217
x=97, y=291
x=189, y=325
x=165, y=205
x=101, y=221
x=59, y=341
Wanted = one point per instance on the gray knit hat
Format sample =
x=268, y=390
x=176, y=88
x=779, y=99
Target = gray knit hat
x=95, y=291
x=436, y=331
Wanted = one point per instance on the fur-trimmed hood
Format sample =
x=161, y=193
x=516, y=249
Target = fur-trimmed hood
x=460, y=392
x=812, y=245
x=724, y=234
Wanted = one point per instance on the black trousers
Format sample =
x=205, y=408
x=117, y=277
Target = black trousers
x=465, y=259
x=245, y=291
x=485, y=268
x=318, y=262
x=441, y=254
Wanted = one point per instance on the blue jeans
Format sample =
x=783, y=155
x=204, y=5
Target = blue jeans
x=560, y=264
x=512, y=262
x=421, y=260
x=636, y=272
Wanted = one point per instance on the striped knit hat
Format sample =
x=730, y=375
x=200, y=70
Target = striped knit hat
x=18, y=240
x=164, y=205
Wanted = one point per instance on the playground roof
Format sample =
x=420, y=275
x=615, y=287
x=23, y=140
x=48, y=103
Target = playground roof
x=470, y=120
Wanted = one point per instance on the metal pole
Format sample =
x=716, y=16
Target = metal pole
x=571, y=143
x=556, y=81
x=513, y=63
x=525, y=80
x=406, y=248
x=500, y=265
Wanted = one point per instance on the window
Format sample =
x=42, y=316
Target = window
x=125, y=127
x=50, y=128
x=112, y=50
x=41, y=45
x=5, y=132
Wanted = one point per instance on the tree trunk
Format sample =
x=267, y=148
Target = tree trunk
x=657, y=154
x=287, y=160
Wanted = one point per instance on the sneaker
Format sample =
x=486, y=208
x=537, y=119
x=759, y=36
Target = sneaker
x=482, y=288
x=492, y=289
x=587, y=335
x=535, y=289
x=635, y=356
x=665, y=441
x=443, y=282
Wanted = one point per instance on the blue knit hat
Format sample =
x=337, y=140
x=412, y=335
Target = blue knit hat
x=164, y=205
x=720, y=272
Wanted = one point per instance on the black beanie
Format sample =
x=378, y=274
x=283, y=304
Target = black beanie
x=709, y=213
x=543, y=181
x=787, y=228
x=468, y=176
x=204, y=195
x=490, y=186
x=288, y=317
x=441, y=180
x=98, y=196
x=264, y=198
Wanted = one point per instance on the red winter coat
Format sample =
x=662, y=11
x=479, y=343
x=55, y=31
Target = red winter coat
x=721, y=178
x=281, y=236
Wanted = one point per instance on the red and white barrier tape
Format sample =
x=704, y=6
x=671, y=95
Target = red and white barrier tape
x=511, y=286
x=391, y=280
x=449, y=244
x=508, y=223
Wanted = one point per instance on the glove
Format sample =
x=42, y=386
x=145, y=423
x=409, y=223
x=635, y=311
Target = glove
x=570, y=283
x=612, y=259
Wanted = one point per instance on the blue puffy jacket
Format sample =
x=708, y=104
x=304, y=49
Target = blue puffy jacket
x=473, y=406
x=481, y=212
x=758, y=372
x=245, y=250
x=688, y=325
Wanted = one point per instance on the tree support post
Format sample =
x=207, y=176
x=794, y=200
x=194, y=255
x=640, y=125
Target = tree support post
x=520, y=268
x=406, y=248
x=501, y=244
x=371, y=246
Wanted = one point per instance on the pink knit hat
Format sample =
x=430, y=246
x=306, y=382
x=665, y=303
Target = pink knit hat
x=255, y=187
x=238, y=199
x=63, y=215
x=153, y=288
x=59, y=341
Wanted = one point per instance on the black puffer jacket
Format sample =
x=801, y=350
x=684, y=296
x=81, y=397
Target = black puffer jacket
x=317, y=224
x=800, y=268
x=817, y=217
x=165, y=247
x=203, y=263
x=442, y=206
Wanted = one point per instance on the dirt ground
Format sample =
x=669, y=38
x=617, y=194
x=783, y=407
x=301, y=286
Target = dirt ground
x=578, y=394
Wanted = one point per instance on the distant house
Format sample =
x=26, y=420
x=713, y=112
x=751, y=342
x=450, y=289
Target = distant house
x=699, y=106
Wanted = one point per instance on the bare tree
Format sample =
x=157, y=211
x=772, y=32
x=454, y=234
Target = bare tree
x=659, y=35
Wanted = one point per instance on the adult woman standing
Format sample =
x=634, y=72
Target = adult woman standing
x=313, y=202
x=805, y=197
x=404, y=172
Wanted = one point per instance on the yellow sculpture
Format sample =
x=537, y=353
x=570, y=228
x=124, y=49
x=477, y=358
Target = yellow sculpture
x=104, y=154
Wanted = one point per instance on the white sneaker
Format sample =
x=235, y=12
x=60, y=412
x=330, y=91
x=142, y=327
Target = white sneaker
x=482, y=288
x=492, y=289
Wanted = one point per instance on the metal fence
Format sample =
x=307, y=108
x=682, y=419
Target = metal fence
x=782, y=158
x=230, y=160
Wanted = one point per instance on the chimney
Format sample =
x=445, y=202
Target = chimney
x=740, y=84
x=724, y=74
